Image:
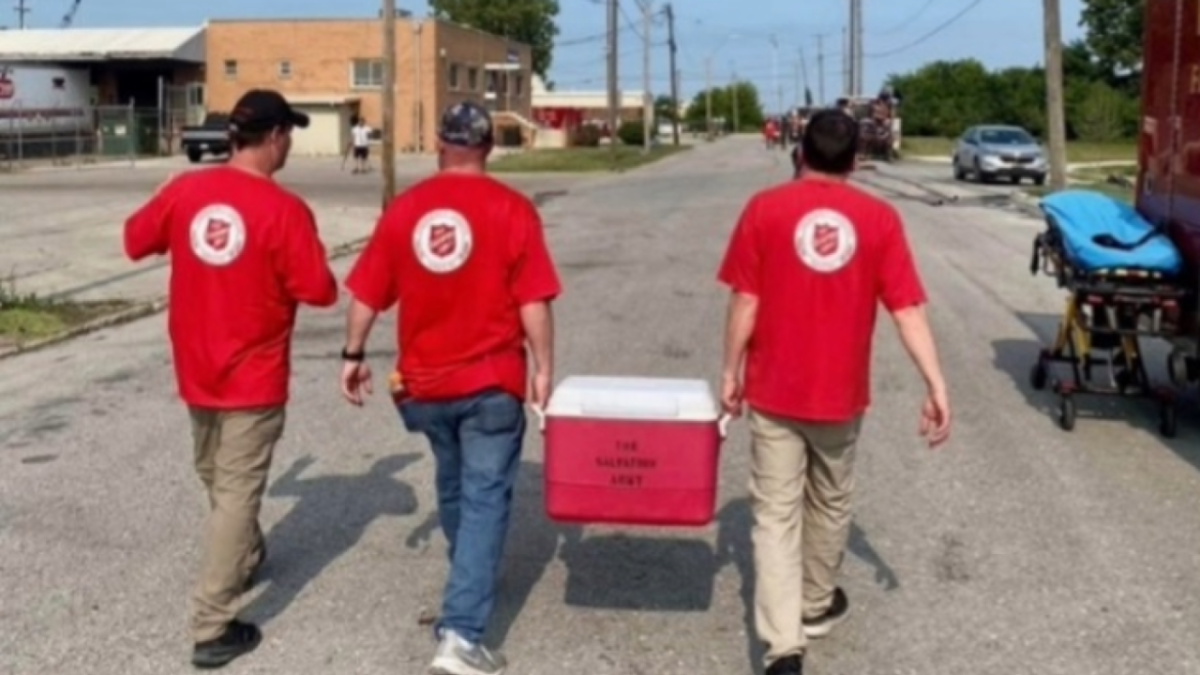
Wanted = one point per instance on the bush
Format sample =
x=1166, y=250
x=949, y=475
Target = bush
x=631, y=133
x=586, y=136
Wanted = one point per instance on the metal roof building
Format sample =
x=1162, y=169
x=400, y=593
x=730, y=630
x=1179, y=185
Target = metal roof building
x=98, y=45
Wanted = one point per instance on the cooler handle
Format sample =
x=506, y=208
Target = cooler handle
x=723, y=425
x=540, y=414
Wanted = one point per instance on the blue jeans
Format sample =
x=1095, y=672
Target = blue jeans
x=476, y=443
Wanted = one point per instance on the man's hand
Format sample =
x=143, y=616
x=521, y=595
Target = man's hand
x=935, y=418
x=731, y=395
x=543, y=381
x=356, y=382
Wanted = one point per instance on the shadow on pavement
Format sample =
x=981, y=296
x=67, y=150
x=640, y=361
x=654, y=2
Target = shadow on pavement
x=1016, y=358
x=330, y=516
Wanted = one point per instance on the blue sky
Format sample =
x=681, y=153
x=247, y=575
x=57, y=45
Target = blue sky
x=998, y=32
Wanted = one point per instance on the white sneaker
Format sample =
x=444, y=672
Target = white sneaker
x=456, y=656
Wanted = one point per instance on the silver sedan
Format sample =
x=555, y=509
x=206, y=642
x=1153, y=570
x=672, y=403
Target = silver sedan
x=990, y=152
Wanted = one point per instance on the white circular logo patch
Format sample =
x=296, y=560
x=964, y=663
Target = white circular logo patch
x=218, y=235
x=826, y=240
x=442, y=241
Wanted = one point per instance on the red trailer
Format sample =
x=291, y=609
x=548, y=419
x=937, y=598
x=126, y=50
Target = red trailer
x=1168, y=185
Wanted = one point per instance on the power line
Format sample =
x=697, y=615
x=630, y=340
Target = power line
x=909, y=21
x=949, y=22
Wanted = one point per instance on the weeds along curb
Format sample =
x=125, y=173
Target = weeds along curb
x=139, y=311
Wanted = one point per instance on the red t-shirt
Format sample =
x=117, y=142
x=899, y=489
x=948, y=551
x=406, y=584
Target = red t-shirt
x=820, y=256
x=460, y=253
x=244, y=253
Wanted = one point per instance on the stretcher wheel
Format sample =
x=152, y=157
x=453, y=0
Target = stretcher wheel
x=1168, y=420
x=1039, y=375
x=1066, y=413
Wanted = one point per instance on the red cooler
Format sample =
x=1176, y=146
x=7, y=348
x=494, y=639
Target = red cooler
x=632, y=451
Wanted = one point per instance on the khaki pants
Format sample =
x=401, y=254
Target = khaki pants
x=233, y=458
x=800, y=486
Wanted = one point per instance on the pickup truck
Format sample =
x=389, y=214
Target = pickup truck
x=209, y=138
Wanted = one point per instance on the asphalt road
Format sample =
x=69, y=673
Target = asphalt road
x=1019, y=549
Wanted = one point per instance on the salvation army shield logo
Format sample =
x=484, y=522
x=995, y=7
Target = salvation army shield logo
x=443, y=241
x=218, y=235
x=825, y=240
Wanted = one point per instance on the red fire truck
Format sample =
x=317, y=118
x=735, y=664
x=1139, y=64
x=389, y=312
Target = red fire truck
x=1168, y=186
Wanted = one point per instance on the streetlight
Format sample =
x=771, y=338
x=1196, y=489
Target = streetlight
x=775, y=73
x=708, y=83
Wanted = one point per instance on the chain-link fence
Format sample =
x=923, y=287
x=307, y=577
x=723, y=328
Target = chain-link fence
x=75, y=136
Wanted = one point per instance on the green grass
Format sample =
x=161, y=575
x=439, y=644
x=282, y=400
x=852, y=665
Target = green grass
x=26, y=318
x=1077, y=151
x=581, y=160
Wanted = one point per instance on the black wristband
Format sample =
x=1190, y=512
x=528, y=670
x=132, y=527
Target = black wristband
x=356, y=357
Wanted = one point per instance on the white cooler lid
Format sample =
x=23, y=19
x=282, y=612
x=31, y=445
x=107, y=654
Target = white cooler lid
x=634, y=398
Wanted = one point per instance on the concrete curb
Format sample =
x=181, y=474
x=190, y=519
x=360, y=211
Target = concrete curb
x=140, y=310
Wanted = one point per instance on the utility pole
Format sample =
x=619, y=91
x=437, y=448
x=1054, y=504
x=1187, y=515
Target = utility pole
x=708, y=97
x=614, y=95
x=22, y=9
x=647, y=99
x=733, y=92
x=802, y=85
x=821, y=69
x=1056, y=131
x=856, y=41
x=674, y=73
x=847, y=63
x=388, y=92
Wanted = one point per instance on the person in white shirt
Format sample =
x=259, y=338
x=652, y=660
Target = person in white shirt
x=361, y=141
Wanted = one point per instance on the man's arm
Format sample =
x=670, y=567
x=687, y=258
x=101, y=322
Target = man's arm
x=739, y=327
x=359, y=321
x=912, y=325
x=538, y=321
x=147, y=231
x=305, y=265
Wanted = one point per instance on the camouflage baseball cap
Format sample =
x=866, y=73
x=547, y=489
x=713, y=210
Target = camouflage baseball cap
x=467, y=125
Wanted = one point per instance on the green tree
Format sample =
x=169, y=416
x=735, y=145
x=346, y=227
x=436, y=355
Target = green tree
x=1104, y=114
x=529, y=21
x=943, y=98
x=664, y=109
x=1114, y=32
x=750, y=115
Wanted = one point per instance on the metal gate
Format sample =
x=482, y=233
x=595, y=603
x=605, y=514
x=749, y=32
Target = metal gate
x=179, y=105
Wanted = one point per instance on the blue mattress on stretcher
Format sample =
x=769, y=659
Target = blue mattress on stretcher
x=1101, y=233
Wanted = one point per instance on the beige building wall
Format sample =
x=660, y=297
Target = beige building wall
x=338, y=62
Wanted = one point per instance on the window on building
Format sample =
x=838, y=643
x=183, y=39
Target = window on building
x=366, y=73
x=231, y=68
x=285, y=70
x=473, y=79
x=195, y=94
x=453, y=76
x=518, y=84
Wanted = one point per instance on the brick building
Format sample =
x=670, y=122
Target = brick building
x=333, y=71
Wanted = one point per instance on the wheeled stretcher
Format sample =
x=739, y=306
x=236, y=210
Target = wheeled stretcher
x=1121, y=276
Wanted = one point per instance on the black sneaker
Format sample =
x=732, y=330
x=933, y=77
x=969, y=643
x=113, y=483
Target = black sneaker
x=788, y=665
x=819, y=627
x=238, y=639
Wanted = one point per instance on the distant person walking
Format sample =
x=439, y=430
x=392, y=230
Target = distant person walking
x=464, y=257
x=361, y=145
x=808, y=263
x=244, y=254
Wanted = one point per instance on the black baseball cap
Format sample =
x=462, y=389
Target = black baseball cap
x=467, y=125
x=264, y=110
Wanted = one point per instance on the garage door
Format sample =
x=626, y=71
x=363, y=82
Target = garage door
x=323, y=135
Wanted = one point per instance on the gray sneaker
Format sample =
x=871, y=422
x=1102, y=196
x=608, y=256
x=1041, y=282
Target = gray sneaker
x=456, y=656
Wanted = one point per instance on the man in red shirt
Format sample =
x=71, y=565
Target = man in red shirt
x=808, y=264
x=465, y=259
x=244, y=254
